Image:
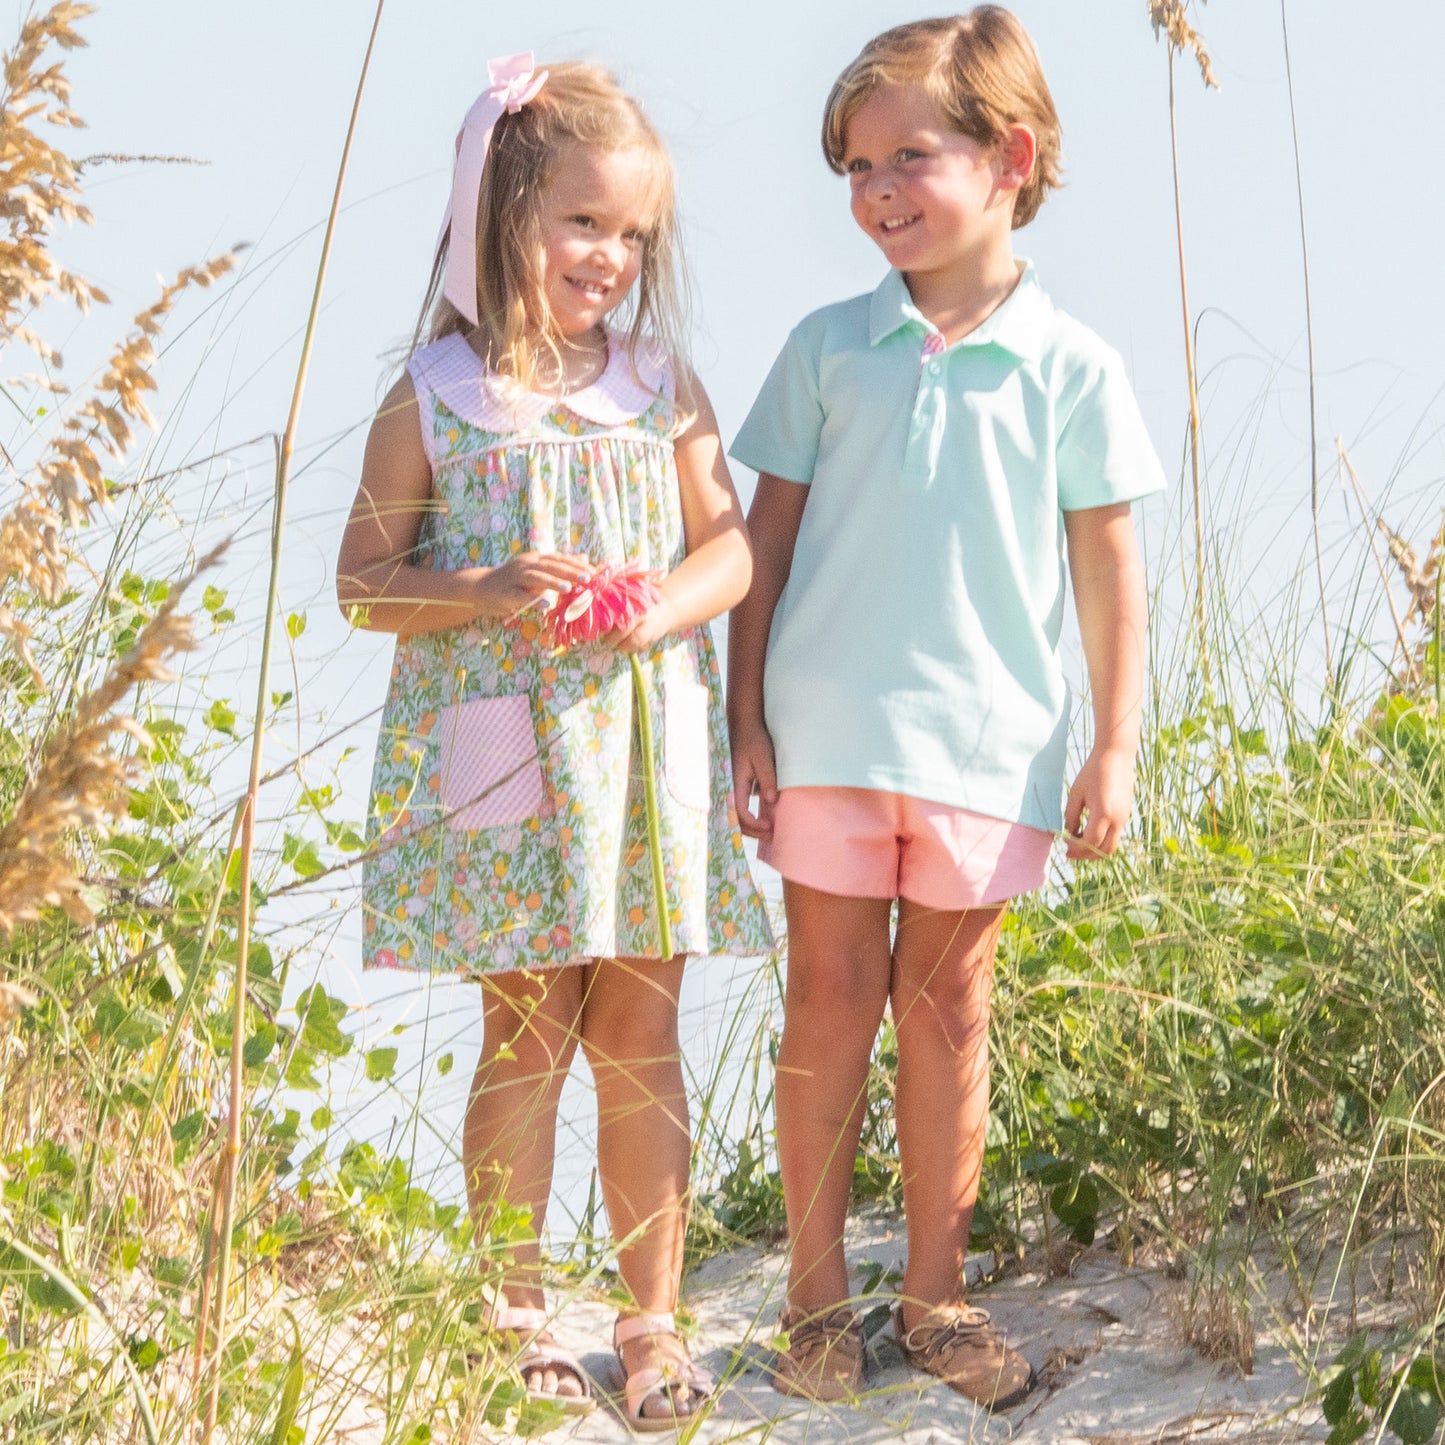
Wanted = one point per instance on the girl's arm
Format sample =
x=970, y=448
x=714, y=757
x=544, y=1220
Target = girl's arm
x=1109, y=597
x=719, y=563
x=378, y=585
x=774, y=519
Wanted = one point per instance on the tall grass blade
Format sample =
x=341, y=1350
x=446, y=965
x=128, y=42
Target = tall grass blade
x=230, y=1159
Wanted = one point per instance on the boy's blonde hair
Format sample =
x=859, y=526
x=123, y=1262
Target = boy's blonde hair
x=580, y=105
x=979, y=69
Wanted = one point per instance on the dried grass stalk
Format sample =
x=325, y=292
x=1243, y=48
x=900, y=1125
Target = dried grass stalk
x=39, y=190
x=13, y=998
x=38, y=185
x=1421, y=576
x=1169, y=16
x=72, y=473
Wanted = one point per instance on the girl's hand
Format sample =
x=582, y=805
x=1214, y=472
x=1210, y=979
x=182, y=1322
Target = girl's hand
x=1100, y=803
x=755, y=773
x=528, y=579
x=655, y=623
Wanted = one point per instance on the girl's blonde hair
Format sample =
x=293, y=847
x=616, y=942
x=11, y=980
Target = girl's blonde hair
x=580, y=105
x=982, y=72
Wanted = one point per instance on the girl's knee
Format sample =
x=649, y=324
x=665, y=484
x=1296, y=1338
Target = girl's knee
x=530, y=1023
x=616, y=1039
x=632, y=1044
x=528, y=1057
x=629, y=1014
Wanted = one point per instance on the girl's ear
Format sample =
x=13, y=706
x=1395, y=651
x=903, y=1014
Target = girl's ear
x=1017, y=152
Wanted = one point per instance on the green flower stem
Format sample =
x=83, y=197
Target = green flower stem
x=649, y=796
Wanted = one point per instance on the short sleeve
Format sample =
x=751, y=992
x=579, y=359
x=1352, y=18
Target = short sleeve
x=782, y=430
x=1104, y=453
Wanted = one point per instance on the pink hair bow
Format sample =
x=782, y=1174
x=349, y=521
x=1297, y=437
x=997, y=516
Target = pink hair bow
x=515, y=79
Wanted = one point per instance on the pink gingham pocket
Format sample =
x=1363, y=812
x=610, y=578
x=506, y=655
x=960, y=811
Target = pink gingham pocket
x=490, y=772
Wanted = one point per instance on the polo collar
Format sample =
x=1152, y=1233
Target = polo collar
x=1018, y=325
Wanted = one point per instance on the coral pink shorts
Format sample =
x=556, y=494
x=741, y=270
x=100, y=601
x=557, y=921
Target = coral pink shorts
x=866, y=844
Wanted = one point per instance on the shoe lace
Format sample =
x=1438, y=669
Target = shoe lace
x=967, y=1325
x=822, y=1332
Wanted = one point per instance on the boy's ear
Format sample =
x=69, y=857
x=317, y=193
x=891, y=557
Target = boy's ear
x=1017, y=153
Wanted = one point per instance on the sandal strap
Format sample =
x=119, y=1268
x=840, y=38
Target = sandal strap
x=699, y=1380
x=533, y=1353
x=642, y=1386
x=517, y=1319
x=639, y=1387
x=637, y=1326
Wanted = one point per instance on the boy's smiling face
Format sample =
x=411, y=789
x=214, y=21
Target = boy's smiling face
x=934, y=200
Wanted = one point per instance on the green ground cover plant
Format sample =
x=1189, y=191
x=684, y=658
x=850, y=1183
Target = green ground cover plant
x=1229, y=1044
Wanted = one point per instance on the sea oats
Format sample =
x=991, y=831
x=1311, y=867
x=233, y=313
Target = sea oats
x=13, y=998
x=82, y=779
x=1169, y=16
x=72, y=471
x=1419, y=576
x=1423, y=582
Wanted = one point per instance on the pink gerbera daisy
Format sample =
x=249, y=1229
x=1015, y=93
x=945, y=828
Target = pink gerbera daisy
x=610, y=600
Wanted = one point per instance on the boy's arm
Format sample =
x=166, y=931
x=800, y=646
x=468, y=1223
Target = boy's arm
x=379, y=586
x=1109, y=596
x=773, y=520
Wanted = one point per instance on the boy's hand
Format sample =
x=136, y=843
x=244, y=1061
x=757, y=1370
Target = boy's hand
x=1100, y=803
x=754, y=775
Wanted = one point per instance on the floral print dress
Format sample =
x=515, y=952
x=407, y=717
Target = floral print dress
x=508, y=825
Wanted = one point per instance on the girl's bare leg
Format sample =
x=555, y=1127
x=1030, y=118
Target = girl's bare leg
x=943, y=966
x=837, y=984
x=629, y=1034
x=530, y=1035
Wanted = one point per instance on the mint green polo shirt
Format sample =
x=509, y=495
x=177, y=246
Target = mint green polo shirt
x=915, y=647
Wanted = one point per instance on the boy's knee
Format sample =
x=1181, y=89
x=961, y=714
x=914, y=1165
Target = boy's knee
x=834, y=990
x=953, y=1011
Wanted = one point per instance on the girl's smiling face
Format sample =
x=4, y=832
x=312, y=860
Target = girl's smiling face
x=932, y=198
x=596, y=212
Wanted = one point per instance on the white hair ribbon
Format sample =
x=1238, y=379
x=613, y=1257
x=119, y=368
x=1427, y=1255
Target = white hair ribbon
x=515, y=79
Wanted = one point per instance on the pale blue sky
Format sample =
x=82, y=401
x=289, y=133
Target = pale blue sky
x=261, y=92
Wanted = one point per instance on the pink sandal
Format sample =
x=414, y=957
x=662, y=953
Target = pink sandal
x=528, y=1326
x=657, y=1379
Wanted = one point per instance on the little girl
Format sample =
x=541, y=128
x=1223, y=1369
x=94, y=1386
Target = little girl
x=928, y=454
x=550, y=429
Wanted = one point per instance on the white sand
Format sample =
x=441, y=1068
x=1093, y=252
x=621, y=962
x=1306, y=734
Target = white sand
x=1106, y=1343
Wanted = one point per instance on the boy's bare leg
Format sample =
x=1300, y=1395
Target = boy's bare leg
x=837, y=984
x=629, y=1034
x=943, y=966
